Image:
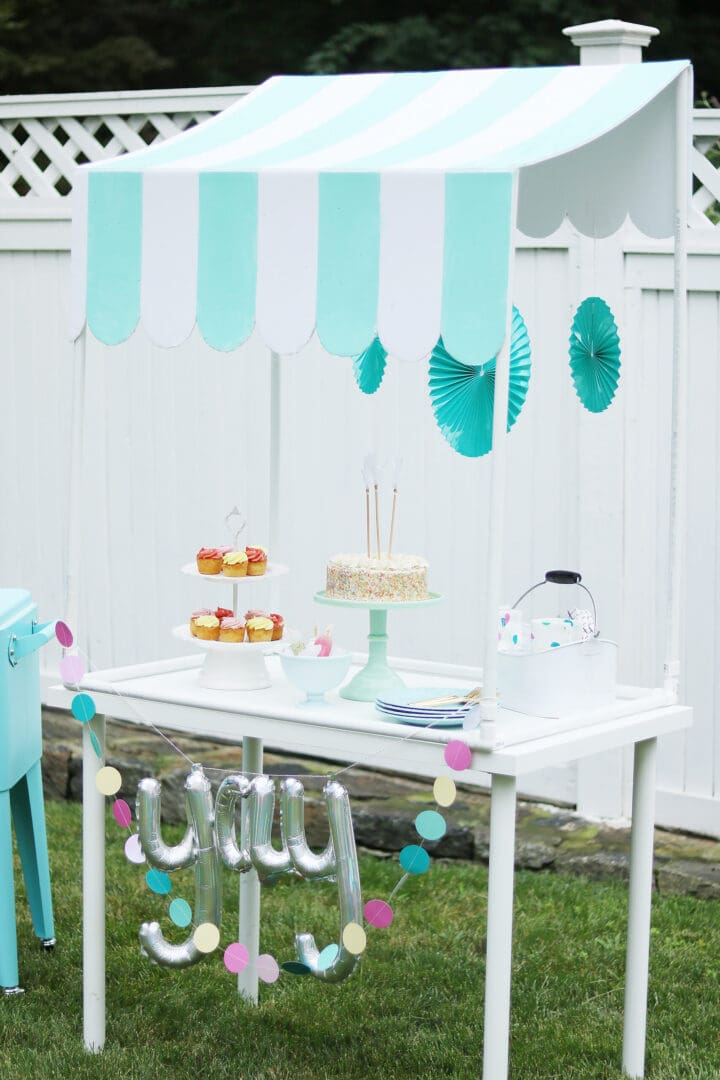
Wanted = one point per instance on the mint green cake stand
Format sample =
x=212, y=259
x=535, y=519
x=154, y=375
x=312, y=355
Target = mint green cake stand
x=376, y=676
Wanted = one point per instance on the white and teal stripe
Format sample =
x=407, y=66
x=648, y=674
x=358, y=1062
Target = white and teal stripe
x=361, y=204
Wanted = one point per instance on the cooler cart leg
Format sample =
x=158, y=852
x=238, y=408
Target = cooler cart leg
x=9, y=976
x=28, y=810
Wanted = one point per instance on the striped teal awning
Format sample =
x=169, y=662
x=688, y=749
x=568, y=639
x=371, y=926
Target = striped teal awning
x=357, y=205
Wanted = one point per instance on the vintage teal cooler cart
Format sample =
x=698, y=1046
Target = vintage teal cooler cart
x=21, y=790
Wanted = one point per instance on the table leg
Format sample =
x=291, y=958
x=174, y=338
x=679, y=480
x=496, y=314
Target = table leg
x=638, y=939
x=249, y=920
x=93, y=810
x=498, y=968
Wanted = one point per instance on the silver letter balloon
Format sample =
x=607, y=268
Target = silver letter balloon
x=210, y=841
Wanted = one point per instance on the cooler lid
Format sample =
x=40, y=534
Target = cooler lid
x=13, y=602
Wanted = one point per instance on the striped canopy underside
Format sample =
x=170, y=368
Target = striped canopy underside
x=360, y=204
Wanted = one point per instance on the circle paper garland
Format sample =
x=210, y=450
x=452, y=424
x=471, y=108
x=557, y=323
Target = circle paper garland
x=463, y=395
x=594, y=354
x=414, y=859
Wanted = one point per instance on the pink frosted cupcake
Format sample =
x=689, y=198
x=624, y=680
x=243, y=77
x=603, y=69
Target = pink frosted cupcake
x=232, y=630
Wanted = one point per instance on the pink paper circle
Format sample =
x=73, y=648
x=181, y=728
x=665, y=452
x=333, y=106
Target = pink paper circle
x=378, y=913
x=235, y=957
x=133, y=852
x=72, y=669
x=458, y=755
x=64, y=634
x=122, y=813
x=267, y=968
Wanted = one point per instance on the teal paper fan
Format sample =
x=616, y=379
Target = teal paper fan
x=594, y=354
x=369, y=367
x=462, y=395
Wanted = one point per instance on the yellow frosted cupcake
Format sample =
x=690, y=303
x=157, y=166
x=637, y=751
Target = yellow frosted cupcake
x=207, y=627
x=235, y=564
x=259, y=629
x=197, y=615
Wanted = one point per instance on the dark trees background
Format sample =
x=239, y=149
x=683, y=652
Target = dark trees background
x=52, y=47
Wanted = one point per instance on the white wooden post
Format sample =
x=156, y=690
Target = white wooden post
x=601, y=780
x=611, y=41
x=497, y=494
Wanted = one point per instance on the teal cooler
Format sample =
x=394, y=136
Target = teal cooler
x=21, y=791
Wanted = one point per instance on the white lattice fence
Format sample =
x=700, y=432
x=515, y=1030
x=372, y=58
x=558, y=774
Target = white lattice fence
x=706, y=167
x=42, y=139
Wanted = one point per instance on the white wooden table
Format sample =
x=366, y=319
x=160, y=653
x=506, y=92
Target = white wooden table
x=167, y=695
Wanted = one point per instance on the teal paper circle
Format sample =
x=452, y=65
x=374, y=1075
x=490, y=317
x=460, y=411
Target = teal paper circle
x=295, y=967
x=369, y=367
x=594, y=354
x=83, y=708
x=462, y=395
x=327, y=956
x=430, y=825
x=414, y=859
x=180, y=912
x=158, y=881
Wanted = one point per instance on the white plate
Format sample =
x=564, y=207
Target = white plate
x=273, y=570
x=406, y=697
x=427, y=713
x=422, y=721
x=266, y=647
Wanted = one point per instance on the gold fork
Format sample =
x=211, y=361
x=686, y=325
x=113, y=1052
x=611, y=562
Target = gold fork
x=459, y=699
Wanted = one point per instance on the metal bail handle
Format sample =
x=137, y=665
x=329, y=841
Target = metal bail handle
x=562, y=577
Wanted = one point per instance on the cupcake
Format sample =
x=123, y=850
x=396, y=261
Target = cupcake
x=209, y=560
x=196, y=615
x=207, y=627
x=256, y=613
x=223, y=613
x=259, y=629
x=278, y=625
x=232, y=630
x=235, y=564
x=257, y=561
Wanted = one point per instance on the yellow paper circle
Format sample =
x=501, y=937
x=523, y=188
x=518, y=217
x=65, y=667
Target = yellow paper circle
x=108, y=780
x=354, y=938
x=206, y=937
x=444, y=791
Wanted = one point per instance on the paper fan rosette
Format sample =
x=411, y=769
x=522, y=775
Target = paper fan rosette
x=594, y=354
x=462, y=395
x=369, y=367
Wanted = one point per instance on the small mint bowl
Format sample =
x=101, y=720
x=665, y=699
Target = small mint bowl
x=316, y=674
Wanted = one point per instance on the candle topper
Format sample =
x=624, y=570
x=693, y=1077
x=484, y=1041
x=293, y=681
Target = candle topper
x=371, y=471
x=395, y=466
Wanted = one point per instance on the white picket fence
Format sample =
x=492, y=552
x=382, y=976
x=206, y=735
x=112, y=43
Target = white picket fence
x=171, y=440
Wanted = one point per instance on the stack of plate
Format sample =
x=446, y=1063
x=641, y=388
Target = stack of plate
x=401, y=705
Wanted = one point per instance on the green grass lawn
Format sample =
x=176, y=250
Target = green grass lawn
x=413, y=1009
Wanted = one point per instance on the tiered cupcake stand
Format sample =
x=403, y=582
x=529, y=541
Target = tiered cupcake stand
x=377, y=675
x=233, y=665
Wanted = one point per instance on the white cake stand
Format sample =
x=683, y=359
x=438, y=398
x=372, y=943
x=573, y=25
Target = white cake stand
x=273, y=570
x=232, y=665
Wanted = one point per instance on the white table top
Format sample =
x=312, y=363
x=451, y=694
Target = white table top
x=169, y=695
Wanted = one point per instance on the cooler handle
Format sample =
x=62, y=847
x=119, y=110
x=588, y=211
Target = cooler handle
x=562, y=577
x=20, y=647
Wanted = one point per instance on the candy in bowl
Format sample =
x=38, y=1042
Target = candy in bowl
x=315, y=674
